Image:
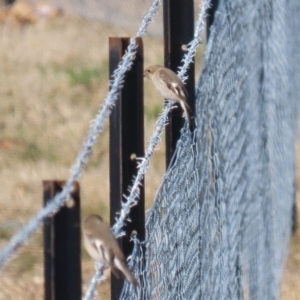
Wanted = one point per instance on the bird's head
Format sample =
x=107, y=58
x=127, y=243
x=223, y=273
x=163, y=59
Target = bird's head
x=92, y=221
x=149, y=71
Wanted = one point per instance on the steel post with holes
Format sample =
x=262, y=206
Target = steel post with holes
x=62, y=262
x=126, y=143
x=178, y=18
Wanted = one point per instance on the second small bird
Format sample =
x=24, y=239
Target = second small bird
x=102, y=246
x=170, y=87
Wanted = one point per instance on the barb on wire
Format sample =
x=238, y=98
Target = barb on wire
x=82, y=158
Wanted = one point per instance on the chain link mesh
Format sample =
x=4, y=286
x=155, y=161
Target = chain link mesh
x=220, y=224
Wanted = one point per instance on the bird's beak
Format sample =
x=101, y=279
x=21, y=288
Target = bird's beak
x=145, y=74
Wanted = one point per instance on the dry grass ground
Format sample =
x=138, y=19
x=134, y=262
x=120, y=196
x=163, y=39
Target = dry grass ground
x=53, y=77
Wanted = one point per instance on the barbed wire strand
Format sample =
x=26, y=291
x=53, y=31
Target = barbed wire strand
x=91, y=291
x=134, y=191
x=83, y=156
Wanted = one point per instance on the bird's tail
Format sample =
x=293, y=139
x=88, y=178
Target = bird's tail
x=122, y=266
x=187, y=112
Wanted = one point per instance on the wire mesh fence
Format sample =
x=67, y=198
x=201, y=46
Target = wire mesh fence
x=221, y=221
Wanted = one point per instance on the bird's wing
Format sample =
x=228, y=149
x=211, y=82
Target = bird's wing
x=174, y=84
x=101, y=250
x=109, y=257
x=99, y=247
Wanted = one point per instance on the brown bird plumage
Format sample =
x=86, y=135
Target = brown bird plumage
x=102, y=246
x=170, y=87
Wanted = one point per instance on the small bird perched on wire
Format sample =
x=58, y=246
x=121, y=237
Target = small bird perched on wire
x=103, y=247
x=170, y=87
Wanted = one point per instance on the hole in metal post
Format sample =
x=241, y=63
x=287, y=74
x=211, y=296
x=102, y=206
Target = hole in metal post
x=70, y=203
x=133, y=233
x=184, y=47
x=133, y=156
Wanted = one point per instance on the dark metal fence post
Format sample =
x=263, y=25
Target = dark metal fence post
x=62, y=263
x=9, y=2
x=126, y=143
x=178, y=32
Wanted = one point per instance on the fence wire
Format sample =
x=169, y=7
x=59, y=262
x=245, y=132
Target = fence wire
x=221, y=221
